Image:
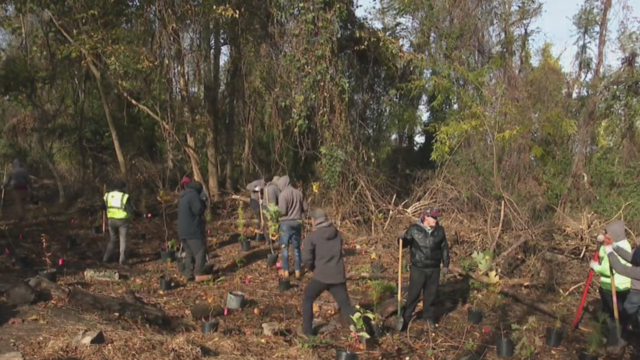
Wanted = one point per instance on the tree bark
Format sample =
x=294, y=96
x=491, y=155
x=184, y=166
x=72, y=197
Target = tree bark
x=231, y=114
x=211, y=91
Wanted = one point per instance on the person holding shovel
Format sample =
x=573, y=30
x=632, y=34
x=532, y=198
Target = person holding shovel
x=120, y=209
x=291, y=204
x=615, y=252
x=20, y=185
x=323, y=256
x=191, y=209
x=616, y=231
x=428, y=246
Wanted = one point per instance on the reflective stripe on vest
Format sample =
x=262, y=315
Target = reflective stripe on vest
x=115, y=202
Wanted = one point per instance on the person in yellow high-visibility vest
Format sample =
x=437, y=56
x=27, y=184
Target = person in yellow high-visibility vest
x=119, y=209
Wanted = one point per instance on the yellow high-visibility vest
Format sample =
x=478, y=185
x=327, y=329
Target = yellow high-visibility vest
x=115, y=201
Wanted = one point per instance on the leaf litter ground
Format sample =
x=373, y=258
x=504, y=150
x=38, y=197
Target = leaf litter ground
x=45, y=330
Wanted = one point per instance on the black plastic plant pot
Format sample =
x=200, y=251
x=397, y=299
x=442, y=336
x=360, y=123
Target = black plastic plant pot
x=96, y=230
x=245, y=245
x=346, y=355
x=272, y=259
x=284, y=284
x=235, y=299
x=584, y=355
x=168, y=255
x=51, y=275
x=72, y=242
x=474, y=316
x=209, y=327
x=504, y=348
x=142, y=236
x=165, y=283
x=554, y=336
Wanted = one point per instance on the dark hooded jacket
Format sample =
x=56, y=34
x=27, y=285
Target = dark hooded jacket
x=290, y=202
x=18, y=178
x=428, y=247
x=191, y=210
x=322, y=253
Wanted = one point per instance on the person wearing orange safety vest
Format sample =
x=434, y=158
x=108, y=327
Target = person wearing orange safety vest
x=120, y=209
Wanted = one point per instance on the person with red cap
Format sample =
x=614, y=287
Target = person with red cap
x=429, y=249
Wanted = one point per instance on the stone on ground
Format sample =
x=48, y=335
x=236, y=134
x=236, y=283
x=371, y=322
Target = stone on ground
x=89, y=338
x=270, y=328
x=14, y=355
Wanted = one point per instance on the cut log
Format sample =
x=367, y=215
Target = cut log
x=84, y=300
x=241, y=198
x=21, y=294
x=45, y=286
x=87, y=301
x=205, y=312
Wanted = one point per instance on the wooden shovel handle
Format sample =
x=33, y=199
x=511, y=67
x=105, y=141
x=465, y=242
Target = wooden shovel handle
x=399, y=273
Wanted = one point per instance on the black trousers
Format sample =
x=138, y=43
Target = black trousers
x=607, y=304
x=194, y=250
x=313, y=291
x=422, y=282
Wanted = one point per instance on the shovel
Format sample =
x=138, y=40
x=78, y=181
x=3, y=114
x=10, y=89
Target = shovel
x=400, y=323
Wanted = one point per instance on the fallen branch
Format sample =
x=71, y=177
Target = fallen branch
x=241, y=198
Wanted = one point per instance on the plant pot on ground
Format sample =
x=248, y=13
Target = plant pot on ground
x=165, y=283
x=376, y=268
x=208, y=327
x=142, y=236
x=50, y=274
x=235, y=299
x=504, y=347
x=474, y=316
x=585, y=355
x=346, y=355
x=169, y=252
x=553, y=336
x=96, y=230
x=245, y=245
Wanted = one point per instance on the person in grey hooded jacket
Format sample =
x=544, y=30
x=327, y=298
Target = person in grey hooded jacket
x=291, y=204
x=259, y=188
x=20, y=185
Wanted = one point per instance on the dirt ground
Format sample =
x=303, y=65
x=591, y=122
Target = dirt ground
x=44, y=330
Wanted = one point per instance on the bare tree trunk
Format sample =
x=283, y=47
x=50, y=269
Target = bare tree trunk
x=586, y=127
x=231, y=114
x=107, y=114
x=211, y=90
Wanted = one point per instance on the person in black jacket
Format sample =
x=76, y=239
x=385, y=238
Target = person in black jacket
x=191, y=209
x=323, y=255
x=428, y=247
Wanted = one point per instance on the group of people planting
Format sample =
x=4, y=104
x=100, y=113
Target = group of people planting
x=321, y=251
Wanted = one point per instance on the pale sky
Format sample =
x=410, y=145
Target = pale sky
x=555, y=27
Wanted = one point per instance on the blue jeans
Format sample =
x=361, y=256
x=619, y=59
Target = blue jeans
x=290, y=233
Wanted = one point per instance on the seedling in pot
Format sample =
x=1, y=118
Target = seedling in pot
x=169, y=251
x=504, y=345
x=554, y=334
x=235, y=299
x=474, y=315
x=50, y=274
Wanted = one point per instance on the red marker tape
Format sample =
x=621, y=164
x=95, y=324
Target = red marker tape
x=247, y=281
x=208, y=231
x=61, y=262
x=20, y=236
x=226, y=311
